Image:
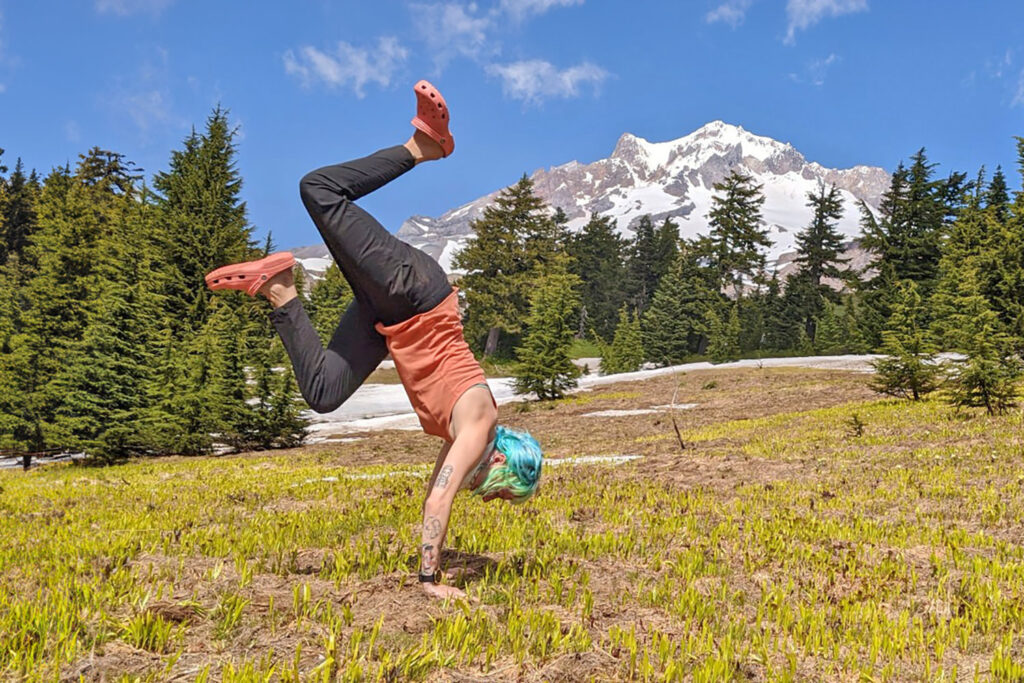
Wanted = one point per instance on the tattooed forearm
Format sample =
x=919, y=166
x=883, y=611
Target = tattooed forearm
x=428, y=559
x=431, y=527
x=443, y=476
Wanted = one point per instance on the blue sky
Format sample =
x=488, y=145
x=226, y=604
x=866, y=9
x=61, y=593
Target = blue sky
x=531, y=83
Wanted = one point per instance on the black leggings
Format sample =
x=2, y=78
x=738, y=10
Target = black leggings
x=392, y=281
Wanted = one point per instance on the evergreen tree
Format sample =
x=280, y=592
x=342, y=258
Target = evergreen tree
x=907, y=369
x=598, y=260
x=667, y=246
x=736, y=233
x=723, y=336
x=643, y=264
x=818, y=249
x=18, y=195
x=906, y=237
x=103, y=382
x=203, y=220
x=676, y=323
x=830, y=339
x=997, y=197
x=84, y=221
x=275, y=420
x=988, y=374
x=626, y=352
x=328, y=299
x=499, y=266
x=545, y=367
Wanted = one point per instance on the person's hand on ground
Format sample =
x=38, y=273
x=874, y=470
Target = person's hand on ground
x=442, y=591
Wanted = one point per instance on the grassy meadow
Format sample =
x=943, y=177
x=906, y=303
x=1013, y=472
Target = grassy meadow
x=798, y=528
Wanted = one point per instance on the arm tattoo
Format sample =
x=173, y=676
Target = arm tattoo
x=431, y=527
x=428, y=562
x=443, y=476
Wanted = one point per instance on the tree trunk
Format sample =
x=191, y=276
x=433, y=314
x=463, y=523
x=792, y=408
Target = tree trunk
x=492, y=341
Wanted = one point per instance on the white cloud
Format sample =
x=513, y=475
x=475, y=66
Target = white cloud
x=3, y=88
x=1018, y=97
x=72, y=131
x=125, y=7
x=803, y=14
x=731, y=12
x=520, y=9
x=452, y=30
x=144, y=97
x=535, y=80
x=347, y=65
x=998, y=67
x=818, y=69
x=147, y=109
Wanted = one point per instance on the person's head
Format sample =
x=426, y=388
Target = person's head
x=515, y=467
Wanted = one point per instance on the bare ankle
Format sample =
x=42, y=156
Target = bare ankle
x=280, y=289
x=423, y=148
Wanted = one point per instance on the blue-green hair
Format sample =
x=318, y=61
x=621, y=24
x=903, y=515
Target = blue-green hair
x=520, y=472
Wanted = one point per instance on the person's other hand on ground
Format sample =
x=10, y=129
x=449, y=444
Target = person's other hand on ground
x=442, y=591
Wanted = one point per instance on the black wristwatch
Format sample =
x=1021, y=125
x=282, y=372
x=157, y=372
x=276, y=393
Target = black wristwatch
x=428, y=578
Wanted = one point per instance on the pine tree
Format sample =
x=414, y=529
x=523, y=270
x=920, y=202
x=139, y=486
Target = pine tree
x=997, y=197
x=84, y=222
x=907, y=369
x=275, y=420
x=499, y=267
x=830, y=339
x=328, y=299
x=907, y=236
x=203, y=220
x=626, y=352
x=18, y=195
x=598, y=254
x=736, y=233
x=988, y=374
x=818, y=249
x=545, y=367
x=723, y=337
x=676, y=323
x=103, y=381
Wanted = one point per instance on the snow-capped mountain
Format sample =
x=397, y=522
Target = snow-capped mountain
x=674, y=179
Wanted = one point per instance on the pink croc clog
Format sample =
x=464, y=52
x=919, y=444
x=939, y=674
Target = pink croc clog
x=432, y=116
x=250, y=275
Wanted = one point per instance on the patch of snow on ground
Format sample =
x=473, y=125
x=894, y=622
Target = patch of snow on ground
x=621, y=413
x=592, y=460
x=385, y=406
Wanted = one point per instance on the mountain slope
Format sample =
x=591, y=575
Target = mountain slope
x=676, y=179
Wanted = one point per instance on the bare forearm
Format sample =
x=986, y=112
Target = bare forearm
x=435, y=526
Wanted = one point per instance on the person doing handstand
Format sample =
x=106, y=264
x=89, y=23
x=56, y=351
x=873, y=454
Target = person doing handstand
x=403, y=304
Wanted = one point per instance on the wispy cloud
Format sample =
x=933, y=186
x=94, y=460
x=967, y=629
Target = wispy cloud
x=803, y=14
x=998, y=66
x=816, y=70
x=731, y=12
x=72, y=131
x=145, y=97
x=125, y=7
x=347, y=65
x=536, y=80
x=1018, y=97
x=452, y=30
x=520, y=9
